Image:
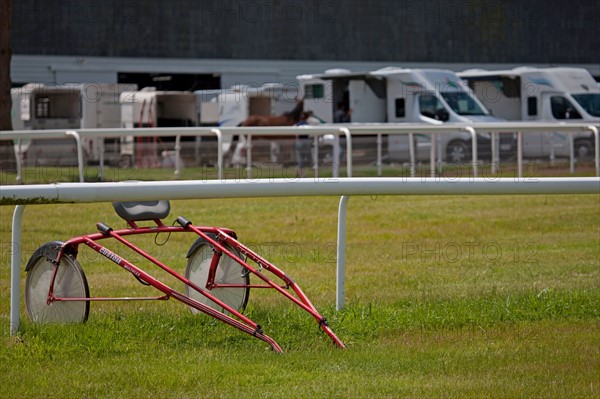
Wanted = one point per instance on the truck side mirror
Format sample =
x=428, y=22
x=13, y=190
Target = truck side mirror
x=442, y=115
x=571, y=113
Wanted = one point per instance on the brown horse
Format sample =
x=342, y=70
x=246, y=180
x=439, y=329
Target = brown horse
x=286, y=119
x=289, y=118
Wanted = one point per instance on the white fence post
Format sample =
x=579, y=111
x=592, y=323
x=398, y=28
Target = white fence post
x=571, y=154
x=177, y=157
x=15, y=270
x=248, y=156
x=411, y=154
x=217, y=132
x=520, y=154
x=77, y=137
x=348, y=135
x=341, y=253
x=315, y=156
x=594, y=130
x=379, y=154
x=19, y=161
x=432, y=154
x=474, y=155
x=495, y=153
x=101, y=163
x=336, y=155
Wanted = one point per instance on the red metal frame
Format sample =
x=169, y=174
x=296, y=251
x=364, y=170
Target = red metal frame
x=217, y=238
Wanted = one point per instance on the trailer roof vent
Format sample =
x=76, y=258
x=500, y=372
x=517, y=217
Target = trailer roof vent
x=239, y=87
x=474, y=70
x=337, y=71
x=524, y=68
x=389, y=69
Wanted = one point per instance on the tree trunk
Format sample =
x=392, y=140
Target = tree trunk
x=7, y=155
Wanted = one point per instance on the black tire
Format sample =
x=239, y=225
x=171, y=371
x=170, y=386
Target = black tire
x=458, y=151
x=583, y=149
x=70, y=282
x=228, y=272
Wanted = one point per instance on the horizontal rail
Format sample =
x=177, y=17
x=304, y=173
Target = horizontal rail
x=196, y=189
x=107, y=133
x=360, y=128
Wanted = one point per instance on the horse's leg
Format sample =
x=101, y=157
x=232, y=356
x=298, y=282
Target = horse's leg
x=228, y=155
x=274, y=151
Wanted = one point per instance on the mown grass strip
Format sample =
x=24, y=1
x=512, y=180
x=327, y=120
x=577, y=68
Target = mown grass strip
x=420, y=321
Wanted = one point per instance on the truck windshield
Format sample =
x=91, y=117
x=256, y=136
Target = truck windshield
x=589, y=102
x=462, y=103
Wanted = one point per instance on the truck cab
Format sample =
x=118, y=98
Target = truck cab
x=545, y=95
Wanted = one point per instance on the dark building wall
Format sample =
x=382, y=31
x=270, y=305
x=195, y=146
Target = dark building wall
x=478, y=31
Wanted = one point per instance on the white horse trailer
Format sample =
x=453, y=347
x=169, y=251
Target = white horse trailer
x=230, y=107
x=541, y=94
x=73, y=106
x=151, y=108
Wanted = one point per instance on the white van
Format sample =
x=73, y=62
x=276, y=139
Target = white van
x=36, y=106
x=541, y=94
x=397, y=95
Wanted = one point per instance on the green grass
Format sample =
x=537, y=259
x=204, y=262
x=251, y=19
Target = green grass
x=457, y=296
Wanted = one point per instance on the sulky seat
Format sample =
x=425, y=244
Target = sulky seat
x=145, y=210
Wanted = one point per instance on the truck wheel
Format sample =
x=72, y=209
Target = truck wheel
x=583, y=149
x=458, y=152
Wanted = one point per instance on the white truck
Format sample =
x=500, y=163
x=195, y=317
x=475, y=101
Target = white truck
x=398, y=95
x=36, y=106
x=541, y=94
x=230, y=107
